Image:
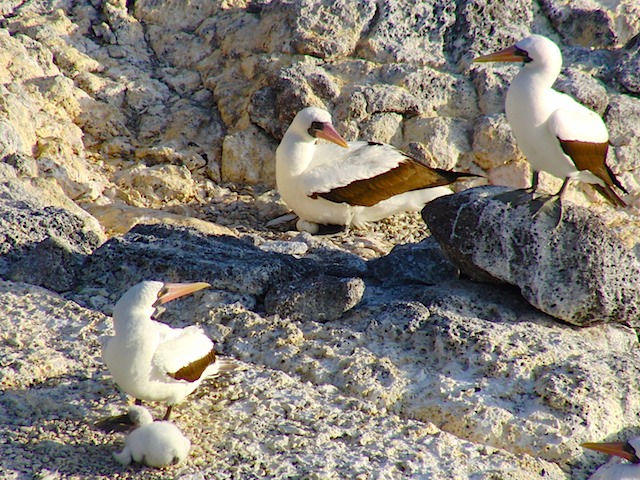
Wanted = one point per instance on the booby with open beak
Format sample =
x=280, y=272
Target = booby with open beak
x=557, y=134
x=152, y=361
x=614, y=470
x=349, y=183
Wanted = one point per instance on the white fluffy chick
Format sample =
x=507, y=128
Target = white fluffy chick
x=156, y=444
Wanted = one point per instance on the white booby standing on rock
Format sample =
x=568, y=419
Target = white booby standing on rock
x=152, y=361
x=349, y=183
x=557, y=134
x=618, y=471
x=156, y=444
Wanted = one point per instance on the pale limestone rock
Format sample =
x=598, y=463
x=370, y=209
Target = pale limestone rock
x=248, y=156
x=119, y=218
x=157, y=185
x=494, y=143
x=383, y=128
x=583, y=21
x=411, y=32
x=447, y=139
x=442, y=93
x=326, y=29
x=515, y=174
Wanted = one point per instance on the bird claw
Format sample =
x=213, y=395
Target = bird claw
x=549, y=210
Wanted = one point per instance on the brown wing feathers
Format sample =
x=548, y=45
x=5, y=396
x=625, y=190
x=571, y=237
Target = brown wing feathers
x=407, y=176
x=591, y=156
x=194, y=370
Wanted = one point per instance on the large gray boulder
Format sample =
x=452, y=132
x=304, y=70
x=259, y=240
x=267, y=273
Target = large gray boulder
x=44, y=237
x=180, y=254
x=579, y=271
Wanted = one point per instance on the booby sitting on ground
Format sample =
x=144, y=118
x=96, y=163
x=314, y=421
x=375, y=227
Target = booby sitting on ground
x=349, y=183
x=618, y=471
x=152, y=361
x=556, y=134
x=156, y=444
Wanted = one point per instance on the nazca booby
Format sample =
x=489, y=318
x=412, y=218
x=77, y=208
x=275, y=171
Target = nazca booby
x=349, y=183
x=614, y=470
x=156, y=444
x=152, y=361
x=557, y=134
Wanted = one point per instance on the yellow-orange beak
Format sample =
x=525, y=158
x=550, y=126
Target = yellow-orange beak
x=329, y=133
x=619, y=449
x=510, y=54
x=171, y=291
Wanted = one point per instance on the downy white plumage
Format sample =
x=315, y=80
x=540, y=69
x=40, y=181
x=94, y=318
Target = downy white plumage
x=557, y=134
x=349, y=183
x=156, y=444
x=152, y=361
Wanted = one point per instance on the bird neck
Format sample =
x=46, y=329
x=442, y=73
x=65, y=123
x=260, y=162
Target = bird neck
x=132, y=323
x=538, y=77
x=294, y=154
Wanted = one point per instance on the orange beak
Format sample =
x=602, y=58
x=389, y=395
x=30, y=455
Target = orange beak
x=171, y=291
x=619, y=449
x=329, y=133
x=510, y=54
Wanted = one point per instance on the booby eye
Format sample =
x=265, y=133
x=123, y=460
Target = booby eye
x=314, y=128
x=163, y=291
x=631, y=451
x=525, y=56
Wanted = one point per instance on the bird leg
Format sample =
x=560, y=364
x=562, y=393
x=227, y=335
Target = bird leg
x=535, y=179
x=167, y=414
x=552, y=206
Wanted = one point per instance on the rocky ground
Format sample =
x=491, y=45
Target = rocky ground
x=137, y=141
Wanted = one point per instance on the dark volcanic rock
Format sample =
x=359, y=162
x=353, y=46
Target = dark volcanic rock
x=52, y=264
x=322, y=298
x=422, y=263
x=579, y=272
x=39, y=244
x=158, y=252
x=627, y=69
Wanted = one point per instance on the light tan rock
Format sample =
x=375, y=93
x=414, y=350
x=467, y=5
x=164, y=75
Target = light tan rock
x=447, y=139
x=155, y=186
x=118, y=219
x=493, y=142
x=248, y=157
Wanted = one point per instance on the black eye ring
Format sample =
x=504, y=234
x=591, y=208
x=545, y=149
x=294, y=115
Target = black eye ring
x=525, y=56
x=315, y=128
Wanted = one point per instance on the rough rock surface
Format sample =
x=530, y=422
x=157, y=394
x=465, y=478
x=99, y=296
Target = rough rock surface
x=43, y=242
x=148, y=111
x=182, y=254
x=578, y=271
x=320, y=298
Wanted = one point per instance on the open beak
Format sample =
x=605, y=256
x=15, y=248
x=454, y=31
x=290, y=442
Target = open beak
x=329, y=133
x=619, y=449
x=171, y=291
x=510, y=54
